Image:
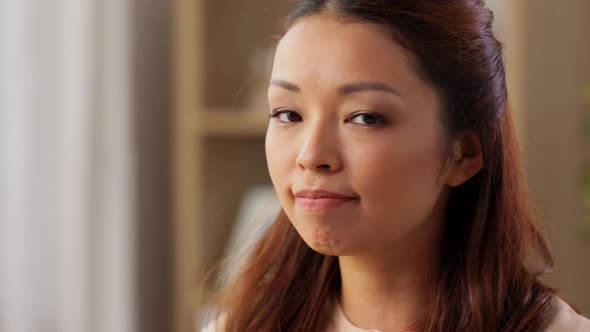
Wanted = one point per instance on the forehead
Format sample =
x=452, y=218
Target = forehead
x=324, y=50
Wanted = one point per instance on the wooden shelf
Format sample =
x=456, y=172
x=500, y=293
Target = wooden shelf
x=220, y=122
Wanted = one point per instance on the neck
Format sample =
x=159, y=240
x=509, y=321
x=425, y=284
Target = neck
x=391, y=292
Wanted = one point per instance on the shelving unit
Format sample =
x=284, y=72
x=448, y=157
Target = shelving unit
x=221, y=59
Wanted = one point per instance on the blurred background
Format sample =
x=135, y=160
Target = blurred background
x=131, y=150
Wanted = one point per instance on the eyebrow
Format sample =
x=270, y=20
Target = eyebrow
x=345, y=89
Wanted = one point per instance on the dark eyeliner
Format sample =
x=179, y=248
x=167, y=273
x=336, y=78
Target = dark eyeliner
x=380, y=119
x=274, y=113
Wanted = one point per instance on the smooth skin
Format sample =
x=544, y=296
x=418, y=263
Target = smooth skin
x=355, y=118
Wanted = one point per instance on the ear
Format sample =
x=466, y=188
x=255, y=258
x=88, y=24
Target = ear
x=467, y=160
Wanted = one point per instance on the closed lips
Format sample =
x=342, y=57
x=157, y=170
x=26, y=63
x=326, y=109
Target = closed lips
x=317, y=194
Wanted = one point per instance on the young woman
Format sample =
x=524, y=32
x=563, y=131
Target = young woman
x=404, y=208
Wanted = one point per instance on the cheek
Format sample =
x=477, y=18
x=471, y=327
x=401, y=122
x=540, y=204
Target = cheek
x=280, y=161
x=275, y=160
x=398, y=181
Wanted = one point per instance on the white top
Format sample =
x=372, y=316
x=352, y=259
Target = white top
x=566, y=320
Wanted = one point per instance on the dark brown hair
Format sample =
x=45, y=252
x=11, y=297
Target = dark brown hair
x=493, y=250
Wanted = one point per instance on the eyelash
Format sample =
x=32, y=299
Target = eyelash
x=380, y=119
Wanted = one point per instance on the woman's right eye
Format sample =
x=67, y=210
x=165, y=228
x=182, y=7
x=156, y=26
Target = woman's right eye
x=286, y=116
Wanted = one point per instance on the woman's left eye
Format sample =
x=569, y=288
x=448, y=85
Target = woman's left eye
x=367, y=119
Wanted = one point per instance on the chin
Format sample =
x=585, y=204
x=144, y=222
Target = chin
x=327, y=236
x=326, y=243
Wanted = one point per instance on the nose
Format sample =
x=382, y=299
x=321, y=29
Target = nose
x=319, y=150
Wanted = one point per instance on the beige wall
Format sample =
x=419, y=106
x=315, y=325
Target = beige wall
x=556, y=63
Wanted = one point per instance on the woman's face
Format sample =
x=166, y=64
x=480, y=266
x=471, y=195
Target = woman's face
x=355, y=119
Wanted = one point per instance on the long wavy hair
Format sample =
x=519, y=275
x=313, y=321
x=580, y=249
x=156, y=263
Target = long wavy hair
x=493, y=249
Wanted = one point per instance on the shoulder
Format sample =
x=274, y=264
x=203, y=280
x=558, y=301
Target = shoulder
x=566, y=319
x=215, y=325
